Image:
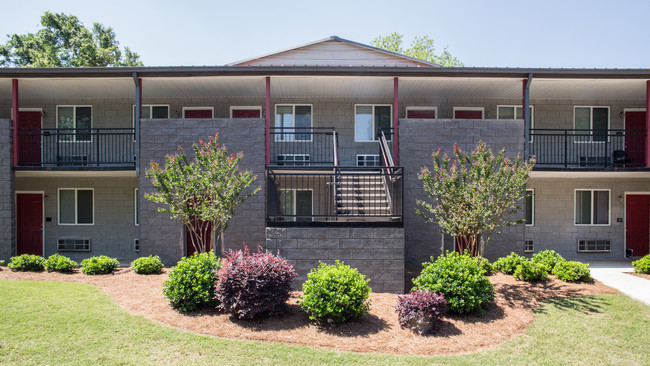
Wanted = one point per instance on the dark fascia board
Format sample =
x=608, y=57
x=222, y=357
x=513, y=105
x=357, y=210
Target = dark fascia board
x=199, y=71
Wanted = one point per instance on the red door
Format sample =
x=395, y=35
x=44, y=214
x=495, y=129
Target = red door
x=246, y=113
x=635, y=139
x=637, y=223
x=29, y=138
x=421, y=113
x=460, y=114
x=29, y=223
x=197, y=113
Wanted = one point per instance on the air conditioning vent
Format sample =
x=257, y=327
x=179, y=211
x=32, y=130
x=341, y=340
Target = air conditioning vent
x=73, y=245
x=136, y=245
x=528, y=246
x=593, y=246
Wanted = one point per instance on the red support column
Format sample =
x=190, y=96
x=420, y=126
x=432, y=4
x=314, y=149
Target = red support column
x=268, y=120
x=396, y=121
x=647, y=124
x=15, y=105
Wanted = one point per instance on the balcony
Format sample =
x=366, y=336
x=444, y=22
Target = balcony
x=576, y=149
x=312, y=146
x=312, y=195
x=76, y=149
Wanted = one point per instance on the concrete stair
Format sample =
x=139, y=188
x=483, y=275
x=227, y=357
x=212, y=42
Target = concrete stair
x=360, y=196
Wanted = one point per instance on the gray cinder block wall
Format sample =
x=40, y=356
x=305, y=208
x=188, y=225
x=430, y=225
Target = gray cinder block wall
x=160, y=235
x=7, y=209
x=418, y=139
x=378, y=253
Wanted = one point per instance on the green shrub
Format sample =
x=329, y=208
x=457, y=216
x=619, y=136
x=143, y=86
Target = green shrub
x=548, y=257
x=572, y=271
x=99, y=265
x=531, y=271
x=508, y=264
x=337, y=292
x=147, y=265
x=27, y=263
x=485, y=266
x=59, y=263
x=460, y=279
x=642, y=265
x=2, y=262
x=191, y=283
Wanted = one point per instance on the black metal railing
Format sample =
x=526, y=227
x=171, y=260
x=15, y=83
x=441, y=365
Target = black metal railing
x=344, y=194
x=576, y=148
x=76, y=148
x=303, y=146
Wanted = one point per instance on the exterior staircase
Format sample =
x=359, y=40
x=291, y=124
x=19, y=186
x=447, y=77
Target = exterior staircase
x=360, y=196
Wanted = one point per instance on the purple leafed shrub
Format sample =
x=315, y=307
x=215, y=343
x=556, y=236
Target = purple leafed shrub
x=421, y=311
x=254, y=284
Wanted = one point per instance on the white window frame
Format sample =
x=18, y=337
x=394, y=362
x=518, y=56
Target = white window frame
x=367, y=155
x=249, y=108
x=532, y=242
x=292, y=138
x=532, y=209
x=150, y=106
x=468, y=109
x=304, y=162
x=421, y=108
x=293, y=212
x=136, y=217
x=197, y=109
x=591, y=213
x=136, y=245
x=515, y=106
x=373, y=120
x=591, y=123
x=76, y=218
x=74, y=119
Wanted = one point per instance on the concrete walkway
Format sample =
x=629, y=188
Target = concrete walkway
x=611, y=273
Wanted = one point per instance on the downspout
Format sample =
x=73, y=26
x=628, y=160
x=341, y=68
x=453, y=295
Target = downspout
x=15, y=105
x=267, y=118
x=396, y=121
x=526, y=114
x=138, y=114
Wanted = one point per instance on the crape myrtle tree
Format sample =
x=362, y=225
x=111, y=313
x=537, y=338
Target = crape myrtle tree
x=475, y=195
x=422, y=48
x=202, y=192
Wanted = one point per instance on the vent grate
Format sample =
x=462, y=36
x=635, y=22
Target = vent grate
x=593, y=246
x=528, y=246
x=73, y=245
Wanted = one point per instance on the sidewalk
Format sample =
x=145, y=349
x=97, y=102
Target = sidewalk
x=611, y=273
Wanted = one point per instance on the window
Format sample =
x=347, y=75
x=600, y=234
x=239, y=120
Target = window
x=368, y=160
x=153, y=111
x=76, y=207
x=198, y=112
x=296, y=203
x=245, y=112
x=293, y=122
x=76, y=122
x=469, y=112
x=528, y=246
x=422, y=112
x=369, y=120
x=591, y=207
x=136, y=214
x=515, y=112
x=530, y=207
x=293, y=159
x=592, y=122
x=594, y=246
x=136, y=245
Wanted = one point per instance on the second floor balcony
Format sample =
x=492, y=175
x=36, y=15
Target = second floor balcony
x=76, y=149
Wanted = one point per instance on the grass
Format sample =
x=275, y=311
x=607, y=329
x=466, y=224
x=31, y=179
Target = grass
x=69, y=323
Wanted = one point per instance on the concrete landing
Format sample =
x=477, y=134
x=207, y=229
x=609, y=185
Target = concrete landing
x=612, y=274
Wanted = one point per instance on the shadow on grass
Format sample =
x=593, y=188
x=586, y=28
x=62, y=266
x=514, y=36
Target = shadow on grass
x=585, y=305
x=527, y=294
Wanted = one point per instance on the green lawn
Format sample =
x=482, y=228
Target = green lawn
x=69, y=323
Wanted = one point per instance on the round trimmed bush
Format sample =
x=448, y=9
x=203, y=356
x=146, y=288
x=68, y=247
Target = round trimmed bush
x=548, y=257
x=642, y=265
x=460, y=279
x=254, y=284
x=336, y=292
x=27, y=263
x=147, y=265
x=421, y=311
x=531, y=271
x=99, y=265
x=59, y=263
x=570, y=271
x=190, y=284
x=508, y=264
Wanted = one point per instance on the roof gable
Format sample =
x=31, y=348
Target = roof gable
x=334, y=51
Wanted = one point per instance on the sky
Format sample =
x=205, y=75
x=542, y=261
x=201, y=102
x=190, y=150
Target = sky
x=481, y=33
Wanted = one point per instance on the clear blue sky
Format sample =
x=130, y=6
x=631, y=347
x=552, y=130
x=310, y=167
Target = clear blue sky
x=523, y=33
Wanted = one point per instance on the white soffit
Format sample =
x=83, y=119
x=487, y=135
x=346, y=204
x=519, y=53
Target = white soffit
x=75, y=88
x=588, y=89
x=204, y=87
x=331, y=86
x=489, y=88
x=537, y=174
x=76, y=174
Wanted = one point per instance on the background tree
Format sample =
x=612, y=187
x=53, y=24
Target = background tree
x=201, y=193
x=422, y=48
x=475, y=195
x=65, y=42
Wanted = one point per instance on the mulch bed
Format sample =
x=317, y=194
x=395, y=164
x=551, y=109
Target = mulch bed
x=376, y=332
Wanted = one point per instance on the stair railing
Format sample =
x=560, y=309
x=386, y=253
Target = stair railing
x=387, y=162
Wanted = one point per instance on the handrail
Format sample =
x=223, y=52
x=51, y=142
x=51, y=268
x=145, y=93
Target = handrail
x=335, y=147
x=388, y=160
